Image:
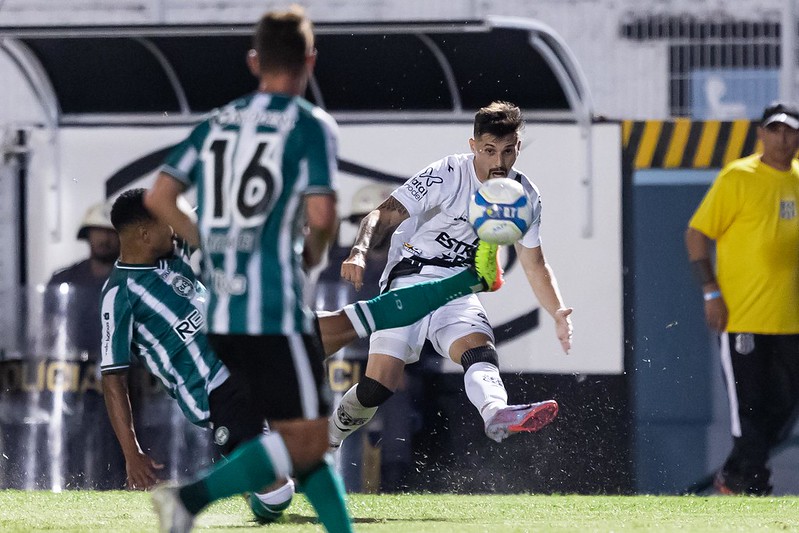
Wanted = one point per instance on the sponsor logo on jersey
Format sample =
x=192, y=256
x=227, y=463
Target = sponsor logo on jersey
x=190, y=325
x=182, y=286
x=459, y=247
x=421, y=183
x=262, y=117
x=105, y=336
x=220, y=242
x=430, y=178
x=235, y=286
x=411, y=248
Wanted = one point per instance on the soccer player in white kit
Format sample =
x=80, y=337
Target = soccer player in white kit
x=434, y=239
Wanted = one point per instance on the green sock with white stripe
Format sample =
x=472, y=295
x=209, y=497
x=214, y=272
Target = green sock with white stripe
x=401, y=307
x=252, y=466
x=325, y=490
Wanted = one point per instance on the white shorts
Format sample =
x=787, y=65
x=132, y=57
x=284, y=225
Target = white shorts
x=442, y=327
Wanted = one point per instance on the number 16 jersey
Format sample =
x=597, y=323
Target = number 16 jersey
x=253, y=161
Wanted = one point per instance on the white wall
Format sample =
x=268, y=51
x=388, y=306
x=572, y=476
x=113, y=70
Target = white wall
x=553, y=156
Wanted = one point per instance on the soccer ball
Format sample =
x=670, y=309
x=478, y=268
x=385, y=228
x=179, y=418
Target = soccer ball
x=500, y=212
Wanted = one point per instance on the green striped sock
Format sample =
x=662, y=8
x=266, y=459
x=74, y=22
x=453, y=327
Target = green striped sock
x=252, y=466
x=325, y=490
x=401, y=307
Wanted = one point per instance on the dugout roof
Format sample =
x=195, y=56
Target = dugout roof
x=365, y=72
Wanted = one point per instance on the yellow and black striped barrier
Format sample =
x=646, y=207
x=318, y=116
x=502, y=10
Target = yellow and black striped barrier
x=683, y=143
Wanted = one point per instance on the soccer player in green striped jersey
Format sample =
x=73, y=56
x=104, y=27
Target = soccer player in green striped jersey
x=153, y=305
x=264, y=170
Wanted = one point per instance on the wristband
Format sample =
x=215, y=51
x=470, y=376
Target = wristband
x=711, y=295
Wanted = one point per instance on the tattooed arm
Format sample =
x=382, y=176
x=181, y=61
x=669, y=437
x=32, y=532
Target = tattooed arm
x=375, y=227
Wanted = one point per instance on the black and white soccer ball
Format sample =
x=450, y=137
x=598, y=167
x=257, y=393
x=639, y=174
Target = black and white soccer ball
x=500, y=211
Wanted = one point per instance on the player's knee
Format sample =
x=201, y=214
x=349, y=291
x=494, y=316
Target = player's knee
x=371, y=393
x=481, y=354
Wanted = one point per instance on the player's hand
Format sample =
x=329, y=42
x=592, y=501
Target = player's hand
x=352, y=268
x=142, y=471
x=716, y=314
x=563, y=327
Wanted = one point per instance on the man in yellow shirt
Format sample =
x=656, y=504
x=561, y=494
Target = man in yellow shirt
x=752, y=299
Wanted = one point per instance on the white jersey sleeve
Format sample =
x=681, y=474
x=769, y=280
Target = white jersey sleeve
x=431, y=187
x=532, y=238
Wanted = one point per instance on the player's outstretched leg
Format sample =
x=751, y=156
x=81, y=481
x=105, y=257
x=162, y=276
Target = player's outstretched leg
x=520, y=419
x=404, y=306
x=486, y=391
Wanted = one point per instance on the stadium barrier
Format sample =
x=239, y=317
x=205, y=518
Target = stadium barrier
x=54, y=428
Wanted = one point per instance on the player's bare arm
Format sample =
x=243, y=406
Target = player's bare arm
x=321, y=226
x=698, y=246
x=545, y=286
x=374, y=227
x=141, y=469
x=161, y=200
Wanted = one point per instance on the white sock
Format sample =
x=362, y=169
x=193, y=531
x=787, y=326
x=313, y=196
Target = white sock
x=279, y=496
x=348, y=417
x=485, y=389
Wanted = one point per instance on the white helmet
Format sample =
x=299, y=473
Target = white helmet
x=367, y=198
x=97, y=216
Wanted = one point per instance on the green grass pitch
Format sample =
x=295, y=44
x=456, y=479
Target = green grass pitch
x=81, y=511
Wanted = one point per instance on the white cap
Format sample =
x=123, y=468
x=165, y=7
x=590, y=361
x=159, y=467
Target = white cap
x=368, y=197
x=784, y=112
x=97, y=216
x=785, y=118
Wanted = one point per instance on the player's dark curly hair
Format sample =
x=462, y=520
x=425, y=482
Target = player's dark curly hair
x=283, y=39
x=498, y=119
x=129, y=209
